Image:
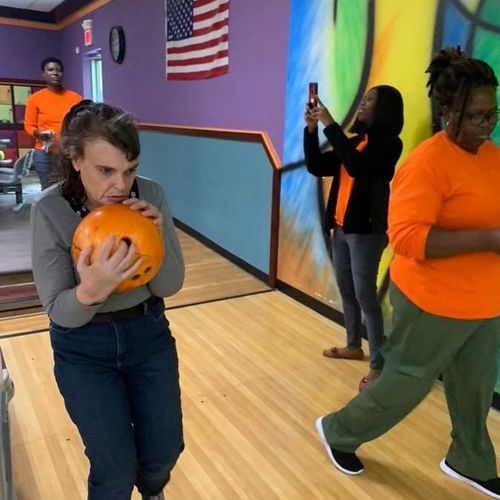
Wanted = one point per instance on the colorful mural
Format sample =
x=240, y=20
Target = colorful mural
x=348, y=46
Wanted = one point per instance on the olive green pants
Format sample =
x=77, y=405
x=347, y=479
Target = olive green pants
x=420, y=348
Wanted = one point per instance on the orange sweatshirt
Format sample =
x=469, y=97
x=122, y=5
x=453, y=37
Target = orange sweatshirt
x=45, y=110
x=442, y=185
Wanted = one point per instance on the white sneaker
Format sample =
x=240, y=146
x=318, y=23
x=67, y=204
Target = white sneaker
x=490, y=487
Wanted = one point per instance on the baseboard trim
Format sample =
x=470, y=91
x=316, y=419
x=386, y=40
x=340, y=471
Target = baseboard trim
x=222, y=251
x=314, y=304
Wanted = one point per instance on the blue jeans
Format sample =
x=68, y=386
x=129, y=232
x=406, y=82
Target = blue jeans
x=356, y=259
x=43, y=163
x=120, y=385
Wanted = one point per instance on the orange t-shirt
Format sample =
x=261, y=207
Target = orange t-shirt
x=442, y=185
x=45, y=110
x=345, y=187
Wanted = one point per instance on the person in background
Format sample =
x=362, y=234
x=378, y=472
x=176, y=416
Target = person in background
x=44, y=114
x=444, y=226
x=115, y=360
x=362, y=167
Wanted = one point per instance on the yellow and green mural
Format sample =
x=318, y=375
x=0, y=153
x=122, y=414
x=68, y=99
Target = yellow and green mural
x=348, y=46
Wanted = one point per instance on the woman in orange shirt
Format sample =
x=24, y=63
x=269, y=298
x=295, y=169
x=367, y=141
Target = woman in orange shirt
x=444, y=225
x=44, y=114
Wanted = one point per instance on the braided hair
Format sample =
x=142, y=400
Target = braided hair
x=453, y=76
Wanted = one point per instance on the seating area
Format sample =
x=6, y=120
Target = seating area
x=4, y=162
x=11, y=178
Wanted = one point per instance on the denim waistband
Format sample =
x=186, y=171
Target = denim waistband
x=128, y=313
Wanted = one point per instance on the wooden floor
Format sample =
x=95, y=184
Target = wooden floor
x=208, y=277
x=253, y=382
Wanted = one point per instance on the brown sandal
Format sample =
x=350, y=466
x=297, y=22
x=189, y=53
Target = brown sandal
x=344, y=353
x=368, y=379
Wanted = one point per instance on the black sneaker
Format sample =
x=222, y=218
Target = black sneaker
x=490, y=487
x=348, y=463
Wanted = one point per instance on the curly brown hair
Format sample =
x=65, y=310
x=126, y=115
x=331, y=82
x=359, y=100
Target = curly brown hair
x=87, y=121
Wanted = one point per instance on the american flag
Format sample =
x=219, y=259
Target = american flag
x=197, y=38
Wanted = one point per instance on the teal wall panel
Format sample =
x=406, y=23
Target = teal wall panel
x=220, y=188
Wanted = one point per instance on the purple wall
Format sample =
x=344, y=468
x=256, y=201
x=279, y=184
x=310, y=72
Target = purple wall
x=250, y=97
x=23, y=49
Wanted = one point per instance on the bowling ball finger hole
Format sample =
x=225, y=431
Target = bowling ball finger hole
x=135, y=277
x=147, y=270
x=127, y=241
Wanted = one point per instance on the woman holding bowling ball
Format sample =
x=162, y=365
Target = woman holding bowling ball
x=115, y=360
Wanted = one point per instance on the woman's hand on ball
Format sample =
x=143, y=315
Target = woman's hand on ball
x=109, y=268
x=147, y=209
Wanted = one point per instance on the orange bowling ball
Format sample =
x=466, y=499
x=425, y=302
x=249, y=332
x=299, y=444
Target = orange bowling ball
x=127, y=225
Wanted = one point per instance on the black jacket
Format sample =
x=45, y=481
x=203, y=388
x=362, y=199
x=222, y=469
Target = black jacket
x=372, y=170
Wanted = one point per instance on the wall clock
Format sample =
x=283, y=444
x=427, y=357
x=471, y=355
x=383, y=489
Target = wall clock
x=117, y=43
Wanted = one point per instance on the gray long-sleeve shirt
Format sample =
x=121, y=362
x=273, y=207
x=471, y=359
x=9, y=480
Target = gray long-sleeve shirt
x=53, y=223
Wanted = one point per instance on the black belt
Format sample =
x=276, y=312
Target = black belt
x=129, y=313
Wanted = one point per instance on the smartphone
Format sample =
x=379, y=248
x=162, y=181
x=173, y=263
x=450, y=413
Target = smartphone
x=313, y=95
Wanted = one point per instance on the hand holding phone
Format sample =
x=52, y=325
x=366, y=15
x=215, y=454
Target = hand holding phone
x=313, y=95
